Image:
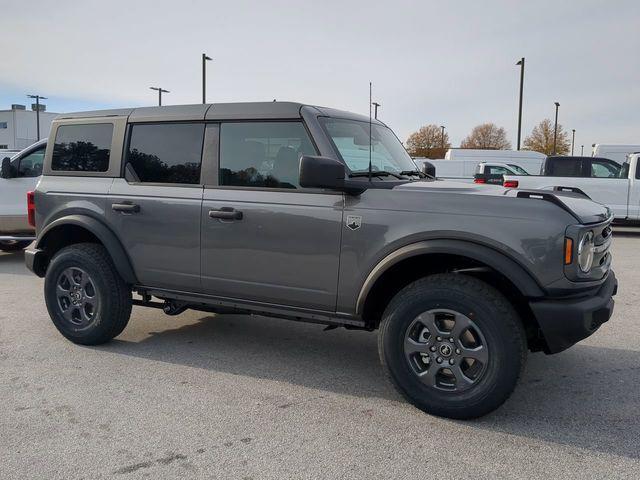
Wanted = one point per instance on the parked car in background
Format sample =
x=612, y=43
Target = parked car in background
x=526, y=159
x=461, y=164
x=320, y=215
x=493, y=173
x=18, y=176
x=576, y=166
x=617, y=153
x=601, y=179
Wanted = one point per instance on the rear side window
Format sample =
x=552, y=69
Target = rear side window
x=263, y=154
x=568, y=167
x=166, y=152
x=82, y=148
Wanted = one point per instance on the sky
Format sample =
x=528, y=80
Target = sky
x=448, y=63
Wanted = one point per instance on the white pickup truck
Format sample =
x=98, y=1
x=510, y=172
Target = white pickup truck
x=602, y=179
x=19, y=175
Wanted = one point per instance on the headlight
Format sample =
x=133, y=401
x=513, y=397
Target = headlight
x=585, y=252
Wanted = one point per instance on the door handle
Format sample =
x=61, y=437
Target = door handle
x=225, y=213
x=125, y=207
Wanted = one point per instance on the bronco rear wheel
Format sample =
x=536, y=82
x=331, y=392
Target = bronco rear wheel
x=452, y=345
x=87, y=300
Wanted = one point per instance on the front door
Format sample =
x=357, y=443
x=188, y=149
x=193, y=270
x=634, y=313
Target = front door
x=264, y=238
x=155, y=209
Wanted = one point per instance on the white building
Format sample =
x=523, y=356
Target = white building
x=18, y=126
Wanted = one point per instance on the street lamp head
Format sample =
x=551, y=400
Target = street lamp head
x=556, y=104
x=206, y=57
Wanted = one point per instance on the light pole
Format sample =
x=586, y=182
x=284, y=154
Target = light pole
x=555, y=129
x=573, y=139
x=38, y=98
x=375, y=106
x=521, y=63
x=442, y=136
x=204, y=76
x=582, y=150
x=160, y=92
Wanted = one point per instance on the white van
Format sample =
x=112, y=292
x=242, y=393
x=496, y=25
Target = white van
x=617, y=153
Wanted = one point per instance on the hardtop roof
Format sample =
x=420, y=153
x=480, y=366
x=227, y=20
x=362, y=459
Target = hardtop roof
x=217, y=111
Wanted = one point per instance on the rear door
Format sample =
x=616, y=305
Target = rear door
x=155, y=208
x=607, y=187
x=264, y=238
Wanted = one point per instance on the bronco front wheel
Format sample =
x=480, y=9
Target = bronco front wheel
x=452, y=345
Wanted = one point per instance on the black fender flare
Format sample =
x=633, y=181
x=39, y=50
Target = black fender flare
x=102, y=233
x=491, y=257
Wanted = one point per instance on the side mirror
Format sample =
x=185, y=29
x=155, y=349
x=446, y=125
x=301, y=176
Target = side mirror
x=429, y=168
x=323, y=172
x=6, y=168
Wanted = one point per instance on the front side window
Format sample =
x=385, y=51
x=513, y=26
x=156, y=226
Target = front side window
x=166, y=152
x=3, y=125
x=604, y=169
x=352, y=140
x=518, y=170
x=29, y=165
x=263, y=154
x=82, y=148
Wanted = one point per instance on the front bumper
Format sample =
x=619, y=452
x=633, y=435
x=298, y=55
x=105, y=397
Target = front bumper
x=566, y=321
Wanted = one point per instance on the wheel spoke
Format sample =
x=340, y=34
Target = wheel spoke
x=61, y=292
x=478, y=353
x=428, y=377
x=411, y=346
x=461, y=323
x=461, y=379
x=83, y=314
x=68, y=313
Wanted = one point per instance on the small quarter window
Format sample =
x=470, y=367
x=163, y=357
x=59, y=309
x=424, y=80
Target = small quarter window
x=3, y=125
x=166, y=152
x=82, y=148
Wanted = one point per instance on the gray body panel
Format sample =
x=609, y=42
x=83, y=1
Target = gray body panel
x=285, y=249
x=163, y=238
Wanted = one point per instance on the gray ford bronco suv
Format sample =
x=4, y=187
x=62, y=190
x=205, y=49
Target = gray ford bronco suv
x=319, y=215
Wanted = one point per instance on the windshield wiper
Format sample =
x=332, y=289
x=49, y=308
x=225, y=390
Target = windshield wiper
x=376, y=173
x=413, y=172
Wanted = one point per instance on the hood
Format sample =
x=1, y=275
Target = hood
x=584, y=209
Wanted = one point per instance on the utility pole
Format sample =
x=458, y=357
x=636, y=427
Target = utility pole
x=555, y=129
x=375, y=106
x=521, y=63
x=573, y=139
x=38, y=98
x=205, y=58
x=160, y=92
x=442, y=136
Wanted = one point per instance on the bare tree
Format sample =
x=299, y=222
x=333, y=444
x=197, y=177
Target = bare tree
x=428, y=142
x=541, y=139
x=487, y=136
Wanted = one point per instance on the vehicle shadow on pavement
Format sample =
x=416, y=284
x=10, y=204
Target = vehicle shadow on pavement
x=13, y=262
x=584, y=397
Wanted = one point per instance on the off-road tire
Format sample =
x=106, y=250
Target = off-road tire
x=113, y=304
x=493, y=315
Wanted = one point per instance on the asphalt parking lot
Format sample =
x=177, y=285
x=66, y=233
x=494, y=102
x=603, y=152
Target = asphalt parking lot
x=200, y=396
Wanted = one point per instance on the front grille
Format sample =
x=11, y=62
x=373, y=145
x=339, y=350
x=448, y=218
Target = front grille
x=601, y=255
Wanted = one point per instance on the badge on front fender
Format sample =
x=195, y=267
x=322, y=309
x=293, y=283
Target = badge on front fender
x=354, y=222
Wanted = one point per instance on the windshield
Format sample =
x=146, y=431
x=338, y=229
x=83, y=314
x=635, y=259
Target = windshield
x=351, y=139
x=517, y=169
